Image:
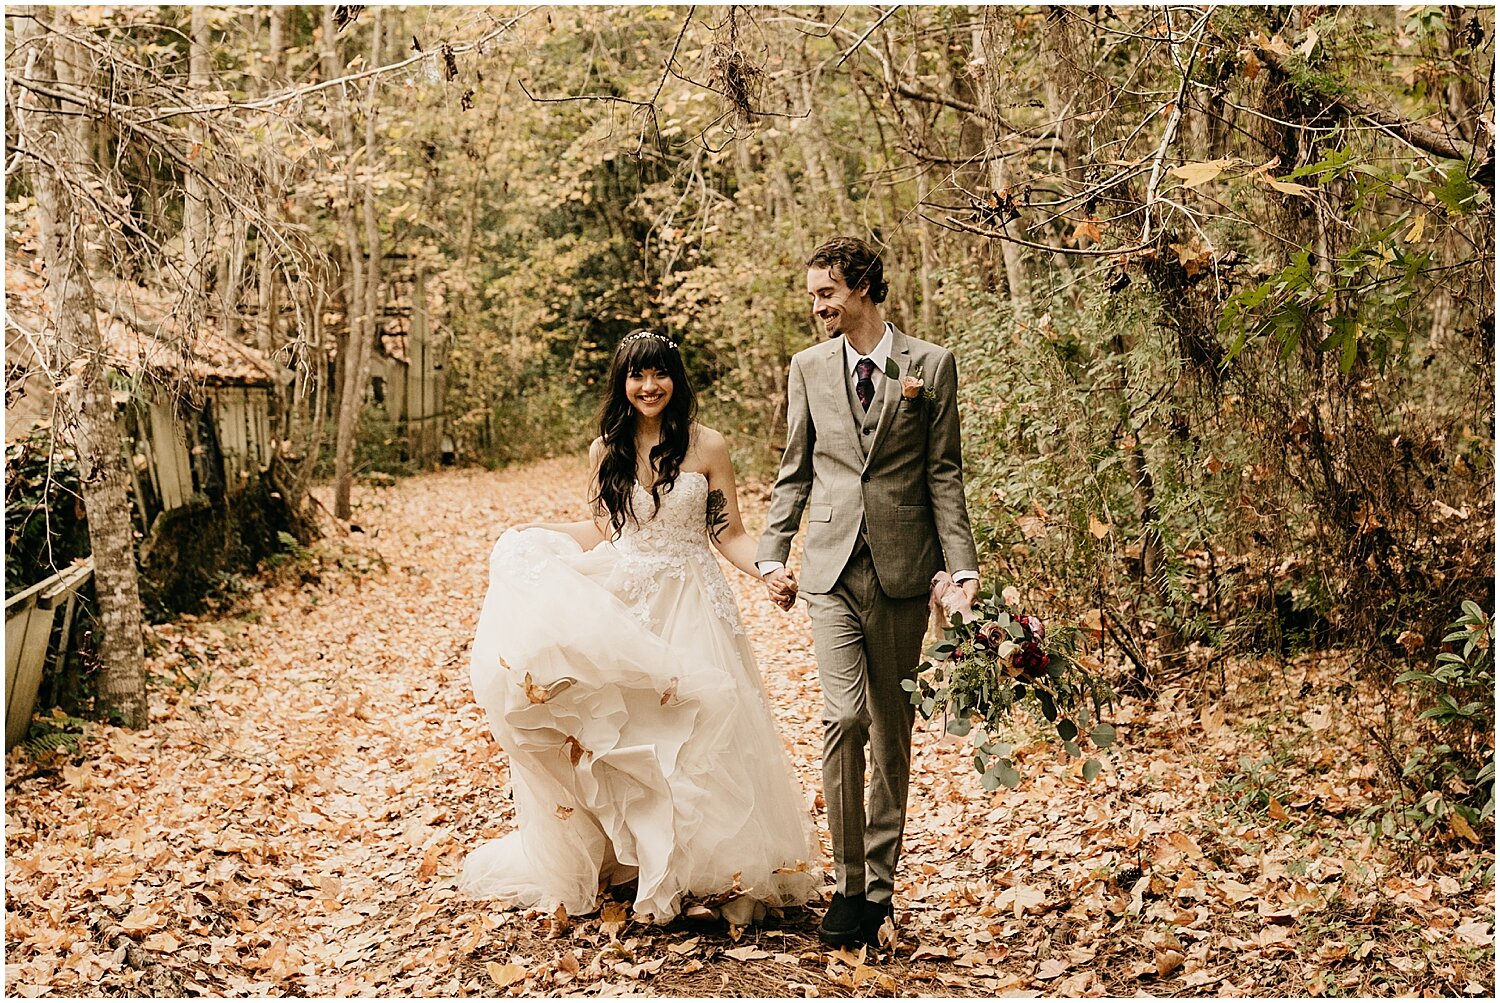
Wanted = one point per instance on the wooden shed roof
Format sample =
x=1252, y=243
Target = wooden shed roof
x=154, y=342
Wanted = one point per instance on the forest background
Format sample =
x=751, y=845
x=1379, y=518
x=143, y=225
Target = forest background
x=1220, y=281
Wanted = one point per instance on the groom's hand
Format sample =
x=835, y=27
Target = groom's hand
x=782, y=585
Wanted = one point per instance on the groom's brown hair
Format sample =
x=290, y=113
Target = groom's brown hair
x=854, y=261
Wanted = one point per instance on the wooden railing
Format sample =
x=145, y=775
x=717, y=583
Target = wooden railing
x=30, y=616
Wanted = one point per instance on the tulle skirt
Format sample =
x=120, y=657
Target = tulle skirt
x=640, y=744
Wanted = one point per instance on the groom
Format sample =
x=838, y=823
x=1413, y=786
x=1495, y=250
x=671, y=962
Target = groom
x=874, y=460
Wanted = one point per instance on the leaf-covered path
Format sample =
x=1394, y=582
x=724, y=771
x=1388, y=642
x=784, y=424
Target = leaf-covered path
x=293, y=820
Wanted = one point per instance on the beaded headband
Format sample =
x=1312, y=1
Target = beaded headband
x=637, y=336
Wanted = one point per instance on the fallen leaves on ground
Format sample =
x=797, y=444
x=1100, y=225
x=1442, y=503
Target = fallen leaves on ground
x=294, y=819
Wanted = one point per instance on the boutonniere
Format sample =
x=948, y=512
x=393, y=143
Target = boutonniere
x=912, y=384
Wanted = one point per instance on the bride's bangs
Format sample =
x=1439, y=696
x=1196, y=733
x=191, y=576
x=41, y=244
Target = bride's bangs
x=647, y=353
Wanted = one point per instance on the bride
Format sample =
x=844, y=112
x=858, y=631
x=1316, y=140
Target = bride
x=616, y=675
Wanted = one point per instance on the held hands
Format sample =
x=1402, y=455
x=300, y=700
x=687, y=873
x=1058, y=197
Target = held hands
x=782, y=585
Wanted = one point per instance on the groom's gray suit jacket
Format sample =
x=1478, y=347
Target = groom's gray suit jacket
x=900, y=482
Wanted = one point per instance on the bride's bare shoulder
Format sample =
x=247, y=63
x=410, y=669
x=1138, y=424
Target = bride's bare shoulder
x=707, y=443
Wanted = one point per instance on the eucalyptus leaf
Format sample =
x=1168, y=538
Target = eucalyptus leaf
x=1006, y=771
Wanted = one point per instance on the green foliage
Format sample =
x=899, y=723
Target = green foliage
x=986, y=666
x=57, y=732
x=1456, y=771
x=45, y=528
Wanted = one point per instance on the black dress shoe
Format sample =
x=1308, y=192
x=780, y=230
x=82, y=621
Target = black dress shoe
x=873, y=918
x=843, y=922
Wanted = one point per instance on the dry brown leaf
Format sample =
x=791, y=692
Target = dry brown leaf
x=1201, y=172
x=1461, y=827
x=1051, y=969
x=1087, y=231
x=505, y=976
x=1092, y=622
x=747, y=953
x=576, y=751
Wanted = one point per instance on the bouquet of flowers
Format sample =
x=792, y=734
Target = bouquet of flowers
x=990, y=660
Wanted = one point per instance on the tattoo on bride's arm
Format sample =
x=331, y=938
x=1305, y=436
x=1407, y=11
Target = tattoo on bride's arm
x=715, y=517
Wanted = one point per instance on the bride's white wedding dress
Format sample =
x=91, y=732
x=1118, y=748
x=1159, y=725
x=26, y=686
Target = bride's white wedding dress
x=622, y=688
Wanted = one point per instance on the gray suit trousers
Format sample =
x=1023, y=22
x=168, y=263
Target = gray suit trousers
x=866, y=643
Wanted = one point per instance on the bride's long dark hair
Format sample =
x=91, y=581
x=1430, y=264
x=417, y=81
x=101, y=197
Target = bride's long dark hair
x=615, y=486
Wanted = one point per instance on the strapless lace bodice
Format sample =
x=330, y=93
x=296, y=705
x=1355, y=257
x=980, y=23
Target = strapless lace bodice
x=664, y=544
x=678, y=527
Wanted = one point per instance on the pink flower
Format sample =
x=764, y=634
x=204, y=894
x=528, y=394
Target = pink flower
x=911, y=386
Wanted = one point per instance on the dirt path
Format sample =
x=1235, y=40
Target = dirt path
x=293, y=821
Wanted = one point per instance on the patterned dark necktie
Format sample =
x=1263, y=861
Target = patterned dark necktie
x=864, y=387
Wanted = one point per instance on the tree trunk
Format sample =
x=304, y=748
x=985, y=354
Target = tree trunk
x=195, y=214
x=1153, y=553
x=73, y=65
x=267, y=303
x=924, y=241
x=988, y=42
x=88, y=411
x=354, y=362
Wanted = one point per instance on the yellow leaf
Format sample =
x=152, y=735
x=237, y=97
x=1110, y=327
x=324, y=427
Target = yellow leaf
x=140, y=920
x=1093, y=622
x=163, y=942
x=1417, y=227
x=1099, y=530
x=1461, y=827
x=1234, y=891
x=1287, y=187
x=1200, y=172
x=1275, y=44
x=505, y=975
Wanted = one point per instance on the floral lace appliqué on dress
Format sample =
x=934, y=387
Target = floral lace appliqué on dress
x=665, y=544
